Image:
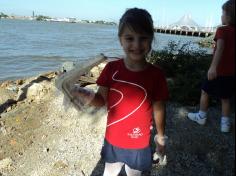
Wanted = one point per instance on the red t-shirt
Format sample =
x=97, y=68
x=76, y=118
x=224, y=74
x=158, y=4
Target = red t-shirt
x=226, y=66
x=129, y=103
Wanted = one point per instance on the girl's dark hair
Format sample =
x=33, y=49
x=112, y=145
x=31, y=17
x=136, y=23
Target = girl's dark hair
x=137, y=20
x=229, y=8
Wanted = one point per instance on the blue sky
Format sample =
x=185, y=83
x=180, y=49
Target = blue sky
x=164, y=12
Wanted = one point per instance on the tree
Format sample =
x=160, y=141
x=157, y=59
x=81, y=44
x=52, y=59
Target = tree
x=42, y=18
x=2, y=15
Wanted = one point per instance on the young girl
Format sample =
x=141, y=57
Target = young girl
x=133, y=91
x=221, y=74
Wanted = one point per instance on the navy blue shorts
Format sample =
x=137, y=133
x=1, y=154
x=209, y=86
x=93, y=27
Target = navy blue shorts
x=222, y=87
x=140, y=159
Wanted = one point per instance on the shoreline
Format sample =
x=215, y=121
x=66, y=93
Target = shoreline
x=209, y=54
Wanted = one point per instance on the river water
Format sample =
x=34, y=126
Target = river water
x=28, y=48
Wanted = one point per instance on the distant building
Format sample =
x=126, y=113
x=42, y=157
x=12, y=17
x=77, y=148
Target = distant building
x=72, y=20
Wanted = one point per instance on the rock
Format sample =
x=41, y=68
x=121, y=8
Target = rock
x=96, y=71
x=3, y=130
x=9, y=108
x=207, y=42
x=60, y=164
x=5, y=84
x=6, y=95
x=19, y=82
x=34, y=90
x=67, y=66
x=4, y=163
x=13, y=88
x=2, y=124
x=38, y=90
x=21, y=95
x=50, y=75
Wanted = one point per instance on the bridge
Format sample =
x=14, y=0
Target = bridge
x=186, y=32
x=186, y=26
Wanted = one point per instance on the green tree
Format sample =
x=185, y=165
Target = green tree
x=2, y=15
x=42, y=18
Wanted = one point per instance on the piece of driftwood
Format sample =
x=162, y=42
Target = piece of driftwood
x=67, y=79
x=87, y=79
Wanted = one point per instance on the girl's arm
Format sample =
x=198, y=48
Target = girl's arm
x=100, y=98
x=212, y=72
x=160, y=121
x=89, y=97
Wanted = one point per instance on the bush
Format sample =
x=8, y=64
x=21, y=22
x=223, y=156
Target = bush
x=184, y=68
x=42, y=18
x=2, y=15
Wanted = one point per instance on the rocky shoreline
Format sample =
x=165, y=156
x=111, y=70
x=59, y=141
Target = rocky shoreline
x=207, y=42
x=39, y=136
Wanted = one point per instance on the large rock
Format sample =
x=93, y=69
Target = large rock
x=38, y=90
x=34, y=89
x=5, y=95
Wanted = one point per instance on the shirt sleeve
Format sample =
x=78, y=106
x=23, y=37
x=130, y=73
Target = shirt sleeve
x=161, y=92
x=103, y=79
x=220, y=34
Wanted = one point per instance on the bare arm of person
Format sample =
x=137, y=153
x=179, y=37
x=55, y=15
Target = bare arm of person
x=160, y=122
x=89, y=97
x=212, y=72
x=100, y=98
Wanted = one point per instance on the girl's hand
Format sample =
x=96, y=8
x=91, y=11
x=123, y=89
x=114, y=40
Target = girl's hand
x=160, y=149
x=160, y=142
x=83, y=95
x=211, y=74
x=159, y=156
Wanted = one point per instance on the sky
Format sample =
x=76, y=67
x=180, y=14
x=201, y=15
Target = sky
x=206, y=13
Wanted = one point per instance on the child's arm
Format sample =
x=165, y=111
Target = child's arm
x=212, y=72
x=89, y=97
x=160, y=121
x=100, y=98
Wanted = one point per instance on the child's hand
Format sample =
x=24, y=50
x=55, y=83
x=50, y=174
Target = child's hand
x=211, y=74
x=160, y=142
x=159, y=156
x=160, y=149
x=84, y=95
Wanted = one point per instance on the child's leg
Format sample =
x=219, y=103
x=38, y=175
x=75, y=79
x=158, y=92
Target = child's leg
x=112, y=169
x=204, y=101
x=132, y=172
x=225, y=107
x=225, y=120
x=200, y=117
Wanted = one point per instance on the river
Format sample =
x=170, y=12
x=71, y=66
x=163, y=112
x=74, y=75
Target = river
x=28, y=48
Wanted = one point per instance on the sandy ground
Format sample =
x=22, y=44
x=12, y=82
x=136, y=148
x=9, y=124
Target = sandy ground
x=39, y=136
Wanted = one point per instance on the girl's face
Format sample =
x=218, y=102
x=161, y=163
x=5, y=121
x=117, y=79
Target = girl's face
x=136, y=46
x=225, y=18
